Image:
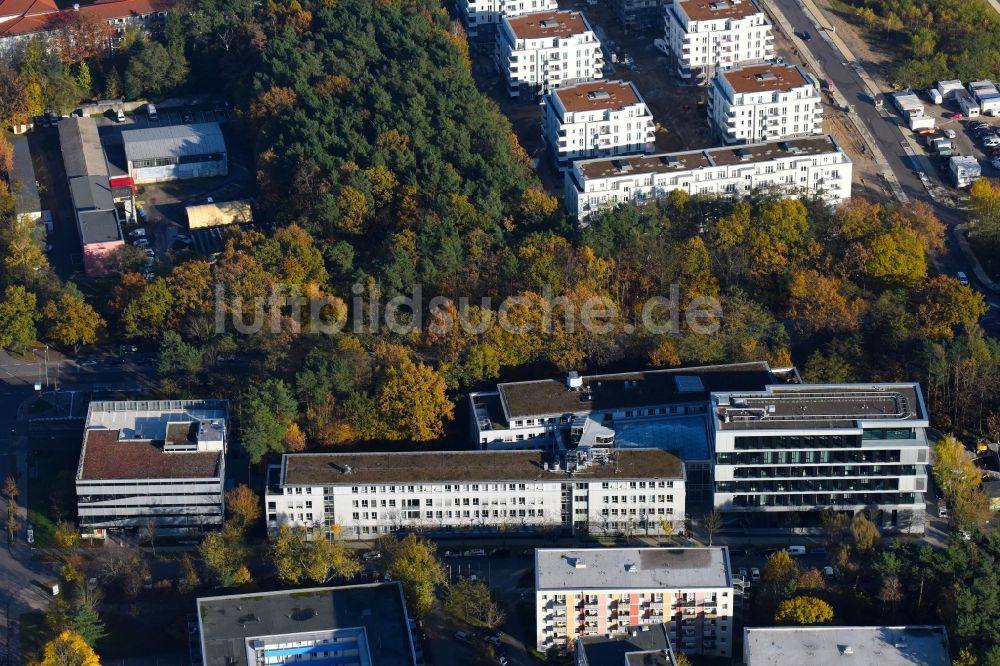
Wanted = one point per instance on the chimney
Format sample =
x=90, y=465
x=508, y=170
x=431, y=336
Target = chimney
x=347, y=469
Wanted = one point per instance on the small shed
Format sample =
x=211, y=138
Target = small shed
x=965, y=170
x=949, y=88
x=968, y=105
x=909, y=104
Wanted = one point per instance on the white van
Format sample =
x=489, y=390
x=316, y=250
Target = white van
x=119, y=116
x=796, y=551
x=151, y=113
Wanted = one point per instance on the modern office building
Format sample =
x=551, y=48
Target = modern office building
x=158, y=460
x=97, y=221
x=707, y=34
x=354, y=625
x=478, y=492
x=613, y=592
x=596, y=119
x=798, y=167
x=175, y=152
x=482, y=17
x=764, y=102
x=544, y=50
x=643, y=645
x=835, y=646
x=787, y=452
x=647, y=409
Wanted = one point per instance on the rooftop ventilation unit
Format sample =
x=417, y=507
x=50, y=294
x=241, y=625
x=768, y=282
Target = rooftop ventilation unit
x=598, y=94
x=743, y=154
x=548, y=23
x=622, y=165
x=689, y=384
x=574, y=380
x=767, y=76
x=347, y=469
x=669, y=160
x=716, y=6
x=848, y=650
x=631, y=568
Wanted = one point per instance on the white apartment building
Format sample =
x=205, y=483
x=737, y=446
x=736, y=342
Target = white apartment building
x=785, y=453
x=814, y=166
x=764, y=102
x=481, y=17
x=705, y=34
x=544, y=50
x=478, y=492
x=596, y=119
x=158, y=460
x=615, y=591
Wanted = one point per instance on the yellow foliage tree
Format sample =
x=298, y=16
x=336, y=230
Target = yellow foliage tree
x=69, y=649
x=803, y=610
x=413, y=401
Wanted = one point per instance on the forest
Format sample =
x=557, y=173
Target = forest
x=381, y=167
x=942, y=39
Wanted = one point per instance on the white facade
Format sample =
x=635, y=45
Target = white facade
x=705, y=34
x=596, y=119
x=611, y=591
x=965, y=170
x=152, y=461
x=947, y=89
x=800, y=449
x=814, y=166
x=544, y=50
x=481, y=17
x=765, y=102
x=908, y=104
x=967, y=104
x=482, y=492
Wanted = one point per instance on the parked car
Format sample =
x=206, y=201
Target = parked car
x=661, y=45
x=743, y=573
x=151, y=113
x=188, y=116
x=475, y=552
x=120, y=116
x=137, y=233
x=817, y=551
x=962, y=277
x=493, y=640
x=462, y=636
x=805, y=35
x=950, y=133
x=755, y=574
x=953, y=115
x=796, y=551
x=991, y=142
x=829, y=573
x=371, y=555
x=141, y=242
x=501, y=659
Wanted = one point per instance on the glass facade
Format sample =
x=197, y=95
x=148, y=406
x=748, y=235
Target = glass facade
x=824, y=500
x=745, y=442
x=808, y=457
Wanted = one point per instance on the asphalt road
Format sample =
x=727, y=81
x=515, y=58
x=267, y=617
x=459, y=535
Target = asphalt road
x=885, y=132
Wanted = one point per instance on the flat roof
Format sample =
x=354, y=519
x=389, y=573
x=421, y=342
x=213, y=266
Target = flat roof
x=173, y=141
x=631, y=568
x=464, y=466
x=819, y=405
x=219, y=214
x=99, y=226
x=549, y=397
x=829, y=646
x=598, y=96
x=105, y=456
x=609, y=167
x=552, y=23
x=687, y=435
x=22, y=176
x=766, y=77
x=228, y=623
x=125, y=440
x=712, y=10
x=648, y=645
x=81, y=147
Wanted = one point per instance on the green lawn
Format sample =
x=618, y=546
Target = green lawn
x=50, y=492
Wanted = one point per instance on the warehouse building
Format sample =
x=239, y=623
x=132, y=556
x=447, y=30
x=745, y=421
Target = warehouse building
x=613, y=592
x=353, y=625
x=27, y=203
x=478, y=492
x=175, y=152
x=161, y=461
x=97, y=220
